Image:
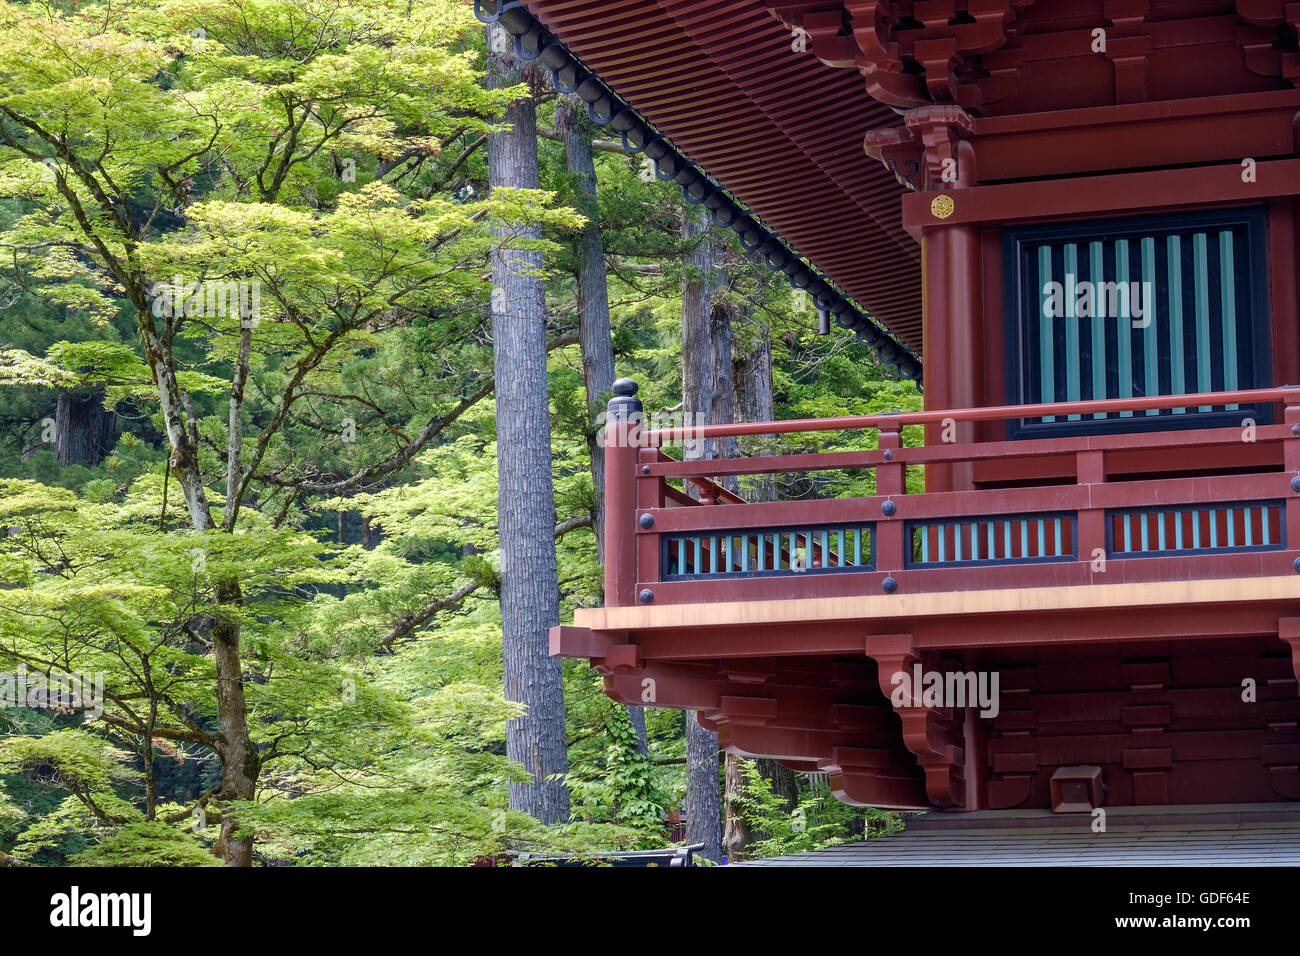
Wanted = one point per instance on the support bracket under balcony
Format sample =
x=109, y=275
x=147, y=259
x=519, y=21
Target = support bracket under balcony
x=934, y=734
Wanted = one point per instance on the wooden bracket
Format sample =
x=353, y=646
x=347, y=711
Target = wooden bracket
x=933, y=734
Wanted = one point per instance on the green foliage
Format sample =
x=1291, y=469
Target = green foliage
x=817, y=822
x=146, y=147
x=151, y=843
x=623, y=787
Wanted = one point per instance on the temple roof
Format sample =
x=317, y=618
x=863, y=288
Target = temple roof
x=781, y=132
x=771, y=100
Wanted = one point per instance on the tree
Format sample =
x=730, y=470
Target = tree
x=103, y=154
x=703, y=804
x=526, y=505
x=594, y=331
x=264, y=254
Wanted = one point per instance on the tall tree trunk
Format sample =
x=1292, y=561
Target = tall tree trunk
x=525, y=499
x=735, y=835
x=703, y=804
x=724, y=384
x=240, y=762
x=784, y=781
x=754, y=402
x=595, y=334
x=83, y=428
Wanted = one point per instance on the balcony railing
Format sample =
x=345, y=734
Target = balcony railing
x=1226, y=505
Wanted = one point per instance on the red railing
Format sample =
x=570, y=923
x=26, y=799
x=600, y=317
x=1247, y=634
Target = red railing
x=1223, y=504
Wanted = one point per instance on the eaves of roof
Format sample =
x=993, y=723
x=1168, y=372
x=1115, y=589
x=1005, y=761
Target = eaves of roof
x=769, y=140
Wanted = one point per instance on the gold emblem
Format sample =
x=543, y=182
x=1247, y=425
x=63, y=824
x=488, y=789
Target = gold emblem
x=941, y=207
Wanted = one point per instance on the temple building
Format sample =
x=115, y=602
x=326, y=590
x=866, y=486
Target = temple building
x=1075, y=224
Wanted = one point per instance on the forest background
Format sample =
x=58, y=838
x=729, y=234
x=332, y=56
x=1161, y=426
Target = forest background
x=308, y=312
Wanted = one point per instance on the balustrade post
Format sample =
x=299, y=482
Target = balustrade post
x=623, y=438
x=890, y=481
x=1091, y=526
x=1291, y=463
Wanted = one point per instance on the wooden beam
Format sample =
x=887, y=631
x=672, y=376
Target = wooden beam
x=1285, y=590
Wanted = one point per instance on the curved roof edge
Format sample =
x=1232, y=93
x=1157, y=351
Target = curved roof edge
x=606, y=107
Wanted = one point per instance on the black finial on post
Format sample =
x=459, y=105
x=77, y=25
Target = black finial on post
x=624, y=406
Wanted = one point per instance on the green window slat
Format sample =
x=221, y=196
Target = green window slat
x=1072, y=356
x=943, y=542
x=1024, y=538
x=1214, y=527
x=1265, y=531
x=1228, y=304
x=1128, y=534
x=857, y=547
x=924, y=532
x=1160, y=530
x=1046, y=334
x=1250, y=522
x=1177, y=379
x=1178, y=530
x=1006, y=539
x=1196, y=529
x=1201, y=268
x=1231, y=515
x=762, y=552
x=1097, y=272
x=1042, y=538
x=1150, y=335
x=698, y=564
x=713, y=554
x=1146, y=541
x=956, y=537
x=1124, y=333
x=839, y=557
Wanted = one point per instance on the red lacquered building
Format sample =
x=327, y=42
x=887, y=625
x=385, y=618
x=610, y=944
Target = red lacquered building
x=1069, y=217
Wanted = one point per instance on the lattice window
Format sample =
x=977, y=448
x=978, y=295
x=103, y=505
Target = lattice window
x=1129, y=308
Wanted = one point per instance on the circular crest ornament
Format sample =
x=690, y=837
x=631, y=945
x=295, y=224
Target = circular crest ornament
x=941, y=207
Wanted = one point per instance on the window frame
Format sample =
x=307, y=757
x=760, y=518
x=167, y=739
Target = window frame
x=1016, y=333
